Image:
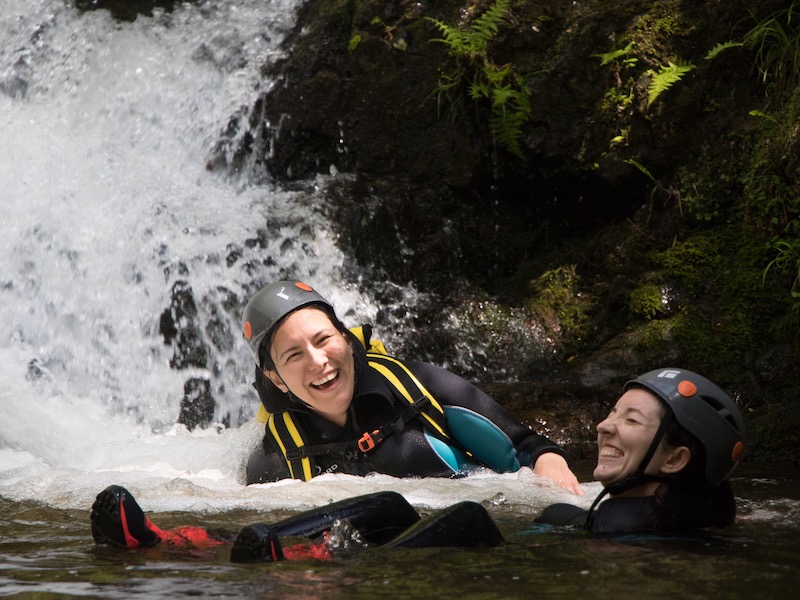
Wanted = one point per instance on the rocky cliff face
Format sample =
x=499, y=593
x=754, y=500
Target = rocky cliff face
x=616, y=227
x=360, y=92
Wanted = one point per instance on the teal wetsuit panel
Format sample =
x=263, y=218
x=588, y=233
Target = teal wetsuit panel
x=455, y=458
x=482, y=438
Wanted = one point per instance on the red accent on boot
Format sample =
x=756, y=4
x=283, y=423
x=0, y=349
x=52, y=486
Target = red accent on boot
x=130, y=541
x=160, y=533
x=301, y=551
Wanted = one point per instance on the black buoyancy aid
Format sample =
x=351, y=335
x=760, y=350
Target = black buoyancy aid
x=417, y=401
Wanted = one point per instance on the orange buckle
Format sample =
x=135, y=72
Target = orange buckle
x=366, y=442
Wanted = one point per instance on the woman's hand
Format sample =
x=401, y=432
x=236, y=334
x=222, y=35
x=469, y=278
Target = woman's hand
x=555, y=467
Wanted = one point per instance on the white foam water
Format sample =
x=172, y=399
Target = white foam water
x=106, y=202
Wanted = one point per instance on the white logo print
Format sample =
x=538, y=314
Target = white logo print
x=669, y=374
x=282, y=295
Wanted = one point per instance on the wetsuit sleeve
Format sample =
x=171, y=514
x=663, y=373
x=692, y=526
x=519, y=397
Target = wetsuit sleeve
x=450, y=389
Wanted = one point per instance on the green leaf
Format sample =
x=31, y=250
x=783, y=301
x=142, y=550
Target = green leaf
x=641, y=168
x=666, y=77
x=712, y=54
x=609, y=57
x=761, y=114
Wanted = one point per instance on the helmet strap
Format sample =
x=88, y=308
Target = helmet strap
x=639, y=476
x=288, y=392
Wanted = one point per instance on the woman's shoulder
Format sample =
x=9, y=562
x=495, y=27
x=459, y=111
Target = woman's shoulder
x=615, y=515
x=563, y=515
x=625, y=514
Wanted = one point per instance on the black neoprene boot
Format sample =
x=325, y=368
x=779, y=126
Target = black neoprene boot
x=118, y=520
x=256, y=543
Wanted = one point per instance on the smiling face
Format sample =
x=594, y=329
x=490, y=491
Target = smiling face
x=624, y=437
x=314, y=360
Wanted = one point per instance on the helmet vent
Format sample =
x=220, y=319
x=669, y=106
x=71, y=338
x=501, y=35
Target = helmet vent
x=721, y=410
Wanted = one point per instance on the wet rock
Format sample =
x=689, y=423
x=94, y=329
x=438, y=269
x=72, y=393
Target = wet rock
x=773, y=365
x=128, y=10
x=15, y=82
x=179, y=327
x=566, y=413
x=350, y=96
x=197, y=405
x=35, y=370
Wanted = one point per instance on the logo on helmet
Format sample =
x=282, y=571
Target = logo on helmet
x=248, y=330
x=669, y=374
x=299, y=285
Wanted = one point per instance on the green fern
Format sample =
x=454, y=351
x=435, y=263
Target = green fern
x=472, y=41
x=714, y=52
x=485, y=27
x=504, y=90
x=454, y=38
x=610, y=57
x=666, y=76
x=510, y=110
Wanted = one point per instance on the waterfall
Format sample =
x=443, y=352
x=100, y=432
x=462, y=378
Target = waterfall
x=107, y=203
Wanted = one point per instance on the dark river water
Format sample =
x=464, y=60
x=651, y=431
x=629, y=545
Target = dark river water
x=48, y=553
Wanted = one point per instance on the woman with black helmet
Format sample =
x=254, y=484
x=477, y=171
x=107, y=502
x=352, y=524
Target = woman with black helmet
x=665, y=452
x=331, y=406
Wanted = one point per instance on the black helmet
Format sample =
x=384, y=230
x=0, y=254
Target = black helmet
x=270, y=305
x=705, y=411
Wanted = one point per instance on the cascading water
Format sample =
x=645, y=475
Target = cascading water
x=107, y=203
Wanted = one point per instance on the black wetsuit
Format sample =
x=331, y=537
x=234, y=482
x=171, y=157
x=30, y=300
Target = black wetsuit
x=615, y=515
x=669, y=513
x=407, y=453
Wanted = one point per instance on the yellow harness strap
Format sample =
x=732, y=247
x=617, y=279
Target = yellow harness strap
x=369, y=344
x=282, y=427
x=289, y=438
x=392, y=369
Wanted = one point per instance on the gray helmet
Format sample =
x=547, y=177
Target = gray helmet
x=270, y=305
x=705, y=411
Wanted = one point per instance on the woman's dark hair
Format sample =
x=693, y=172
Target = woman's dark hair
x=687, y=501
x=264, y=358
x=675, y=436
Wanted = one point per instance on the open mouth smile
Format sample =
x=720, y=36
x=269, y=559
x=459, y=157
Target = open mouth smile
x=326, y=381
x=610, y=452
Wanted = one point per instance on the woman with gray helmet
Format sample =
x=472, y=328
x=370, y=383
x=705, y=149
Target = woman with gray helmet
x=665, y=453
x=333, y=407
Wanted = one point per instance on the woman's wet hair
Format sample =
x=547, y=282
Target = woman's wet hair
x=693, y=474
x=265, y=360
x=687, y=501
